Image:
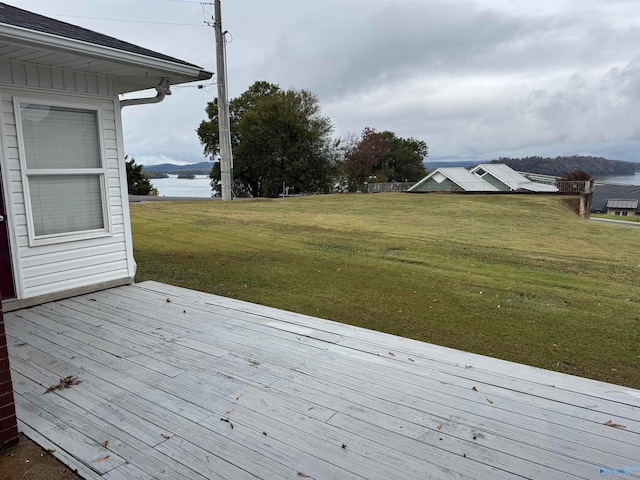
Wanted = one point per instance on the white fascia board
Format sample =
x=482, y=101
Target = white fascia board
x=48, y=41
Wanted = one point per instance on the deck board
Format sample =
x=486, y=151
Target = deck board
x=186, y=385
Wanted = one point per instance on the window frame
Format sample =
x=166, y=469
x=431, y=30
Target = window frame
x=26, y=172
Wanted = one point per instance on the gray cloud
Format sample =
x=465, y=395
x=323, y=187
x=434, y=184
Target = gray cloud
x=474, y=79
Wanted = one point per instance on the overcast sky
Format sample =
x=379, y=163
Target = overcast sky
x=475, y=80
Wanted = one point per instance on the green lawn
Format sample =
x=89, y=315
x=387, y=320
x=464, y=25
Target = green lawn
x=629, y=218
x=519, y=277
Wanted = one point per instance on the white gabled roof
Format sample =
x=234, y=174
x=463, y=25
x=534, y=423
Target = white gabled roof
x=461, y=177
x=511, y=178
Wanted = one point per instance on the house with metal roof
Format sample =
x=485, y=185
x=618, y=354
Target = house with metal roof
x=622, y=208
x=453, y=179
x=505, y=179
x=616, y=198
x=64, y=213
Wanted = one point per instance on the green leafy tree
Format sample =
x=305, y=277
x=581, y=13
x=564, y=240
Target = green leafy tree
x=277, y=136
x=137, y=182
x=384, y=157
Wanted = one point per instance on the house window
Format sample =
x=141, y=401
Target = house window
x=617, y=213
x=624, y=214
x=63, y=171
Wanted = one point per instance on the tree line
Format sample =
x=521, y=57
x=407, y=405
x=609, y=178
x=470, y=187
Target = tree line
x=558, y=166
x=279, y=138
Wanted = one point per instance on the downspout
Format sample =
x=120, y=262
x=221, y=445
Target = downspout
x=163, y=89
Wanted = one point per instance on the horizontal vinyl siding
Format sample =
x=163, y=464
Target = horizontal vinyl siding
x=64, y=266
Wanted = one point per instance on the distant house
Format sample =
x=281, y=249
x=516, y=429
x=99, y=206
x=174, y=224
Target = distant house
x=622, y=208
x=505, y=179
x=65, y=212
x=624, y=199
x=454, y=179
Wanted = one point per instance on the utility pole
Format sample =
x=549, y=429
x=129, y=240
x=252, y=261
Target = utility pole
x=226, y=157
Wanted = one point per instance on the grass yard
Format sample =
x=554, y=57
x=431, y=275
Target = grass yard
x=518, y=277
x=629, y=218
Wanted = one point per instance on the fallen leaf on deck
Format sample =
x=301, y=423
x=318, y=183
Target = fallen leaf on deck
x=229, y=411
x=168, y=300
x=490, y=401
x=100, y=459
x=439, y=427
x=65, y=382
x=444, y=383
x=392, y=354
x=344, y=446
x=310, y=408
x=238, y=397
x=411, y=359
x=92, y=300
x=464, y=455
x=468, y=366
x=474, y=389
x=609, y=423
x=300, y=474
x=164, y=435
x=228, y=421
x=105, y=443
x=264, y=433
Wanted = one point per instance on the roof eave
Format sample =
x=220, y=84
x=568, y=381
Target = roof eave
x=46, y=41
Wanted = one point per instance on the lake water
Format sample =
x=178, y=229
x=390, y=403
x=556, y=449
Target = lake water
x=623, y=179
x=173, y=186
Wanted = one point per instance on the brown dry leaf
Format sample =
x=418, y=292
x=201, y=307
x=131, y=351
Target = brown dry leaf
x=228, y=421
x=474, y=389
x=439, y=427
x=609, y=423
x=65, y=382
x=392, y=354
x=164, y=435
x=411, y=359
x=464, y=455
x=100, y=459
x=229, y=411
x=490, y=401
x=344, y=446
x=444, y=383
x=264, y=433
x=168, y=300
x=105, y=443
x=468, y=366
x=310, y=408
x=300, y=474
x=238, y=397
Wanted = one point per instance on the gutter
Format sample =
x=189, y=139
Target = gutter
x=162, y=88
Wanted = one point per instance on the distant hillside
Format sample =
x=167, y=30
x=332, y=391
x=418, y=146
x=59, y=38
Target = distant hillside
x=200, y=168
x=594, y=166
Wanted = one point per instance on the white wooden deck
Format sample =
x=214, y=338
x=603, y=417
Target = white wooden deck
x=178, y=384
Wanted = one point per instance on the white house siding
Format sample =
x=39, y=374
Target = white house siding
x=63, y=267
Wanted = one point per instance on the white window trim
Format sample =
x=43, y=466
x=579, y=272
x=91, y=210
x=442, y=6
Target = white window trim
x=39, y=240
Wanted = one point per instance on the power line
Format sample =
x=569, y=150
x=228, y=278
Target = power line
x=129, y=21
x=190, y=1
